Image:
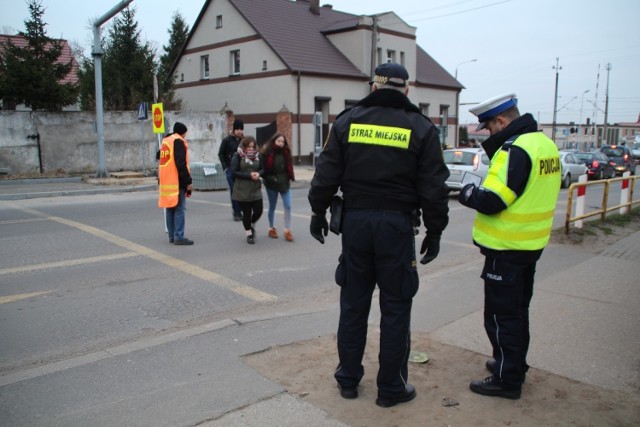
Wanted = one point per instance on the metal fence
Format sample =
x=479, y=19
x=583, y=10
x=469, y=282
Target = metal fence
x=628, y=183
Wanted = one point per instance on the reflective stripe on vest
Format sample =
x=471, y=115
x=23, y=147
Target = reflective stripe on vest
x=526, y=223
x=388, y=136
x=169, y=188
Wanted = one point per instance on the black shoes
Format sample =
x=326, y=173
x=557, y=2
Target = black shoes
x=408, y=394
x=491, y=386
x=183, y=242
x=251, y=240
x=348, y=393
x=237, y=217
x=491, y=366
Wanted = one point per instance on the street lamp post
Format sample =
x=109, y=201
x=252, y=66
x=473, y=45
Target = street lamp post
x=555, y=102
x=464, y=62
x=457, y=131
x=580, y=121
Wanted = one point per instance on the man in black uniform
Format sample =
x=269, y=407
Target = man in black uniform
x=386, y=158
x=229, y=147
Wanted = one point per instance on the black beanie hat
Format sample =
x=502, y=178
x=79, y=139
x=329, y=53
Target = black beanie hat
x=179, y=128
x=238, y=124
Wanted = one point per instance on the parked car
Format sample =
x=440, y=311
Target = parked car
x=635, y=151
x=621, y=155
x=599, y=166
x=572, y=167
x=462, y=160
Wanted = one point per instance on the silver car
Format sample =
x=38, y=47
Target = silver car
x=572, y=168
x=461, y=161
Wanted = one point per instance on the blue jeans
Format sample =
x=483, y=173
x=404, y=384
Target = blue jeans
x=273, y=201
x=175, y=217
x=230, y=179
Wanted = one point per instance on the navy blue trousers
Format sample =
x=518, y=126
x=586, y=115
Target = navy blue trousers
x=508, y=288
x=378, y=247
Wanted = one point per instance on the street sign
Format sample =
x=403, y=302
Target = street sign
x=158, y=118
x=142, y=111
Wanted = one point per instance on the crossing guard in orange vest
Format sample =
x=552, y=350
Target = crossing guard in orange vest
x=175, y=185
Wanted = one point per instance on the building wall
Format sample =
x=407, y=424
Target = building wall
x=68, y=140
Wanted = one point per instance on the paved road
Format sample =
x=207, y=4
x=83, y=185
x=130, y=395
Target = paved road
x=103, y=320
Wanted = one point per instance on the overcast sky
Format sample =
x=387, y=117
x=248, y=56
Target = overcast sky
x=515, y=44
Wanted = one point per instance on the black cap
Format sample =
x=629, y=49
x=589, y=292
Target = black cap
x=238, y=124
x=179, y=128
x=391, y=74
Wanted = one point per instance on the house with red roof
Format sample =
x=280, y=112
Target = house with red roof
x=260, y=58
x=65, y=56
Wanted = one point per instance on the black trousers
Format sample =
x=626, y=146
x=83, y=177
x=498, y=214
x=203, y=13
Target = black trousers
x=251, y=212
x=378, y=247
x=508, y=288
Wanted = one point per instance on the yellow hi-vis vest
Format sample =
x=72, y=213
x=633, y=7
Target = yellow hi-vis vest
x=169, y=187
x=525, y=225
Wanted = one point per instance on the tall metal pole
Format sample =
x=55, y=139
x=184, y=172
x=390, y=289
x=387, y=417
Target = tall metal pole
x=555, y=102
x=606, y=105
x=97, y=65
x=580, y=121
x=456, y=141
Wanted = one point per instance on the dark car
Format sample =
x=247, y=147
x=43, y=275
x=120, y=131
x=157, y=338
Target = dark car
x=622, y=157
x=599, y=166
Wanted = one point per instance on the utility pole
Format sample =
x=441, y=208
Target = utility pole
x=97, y=61
x=606, y=104
x=555, y=102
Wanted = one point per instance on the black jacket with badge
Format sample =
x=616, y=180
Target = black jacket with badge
x=382, y=177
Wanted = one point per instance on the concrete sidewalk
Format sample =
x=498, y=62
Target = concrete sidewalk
x=18, y=189
x=584, y=357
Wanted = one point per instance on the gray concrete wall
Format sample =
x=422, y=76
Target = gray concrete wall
x=69, y=142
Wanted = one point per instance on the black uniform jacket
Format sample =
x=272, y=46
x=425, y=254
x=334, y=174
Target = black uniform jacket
x=381, y=177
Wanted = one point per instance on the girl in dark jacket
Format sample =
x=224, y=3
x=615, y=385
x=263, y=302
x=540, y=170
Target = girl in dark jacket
x=278, y=174
x=247, y=169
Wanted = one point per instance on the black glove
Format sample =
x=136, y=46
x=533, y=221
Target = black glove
x=430, y=245
x=319, y=225
x=466, y=193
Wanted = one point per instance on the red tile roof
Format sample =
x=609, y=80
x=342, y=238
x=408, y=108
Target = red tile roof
x=65, y=56
x=298, y=37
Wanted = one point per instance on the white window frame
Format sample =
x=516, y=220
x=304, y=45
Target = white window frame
x=235, y=62
x=204, y=67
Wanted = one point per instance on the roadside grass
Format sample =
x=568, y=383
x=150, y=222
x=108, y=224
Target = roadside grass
x=598, y=234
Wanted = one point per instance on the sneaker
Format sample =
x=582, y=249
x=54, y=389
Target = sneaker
x=250, y=240
x=348, y=393
x=288, y=236
x=408, y=394
x=170, y=240
x=273, y=233
x=237, y=217
x=183, y=242
x=491, y=386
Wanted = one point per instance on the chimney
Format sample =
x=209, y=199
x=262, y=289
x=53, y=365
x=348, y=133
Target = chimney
x=328, y=6
x=314, y=7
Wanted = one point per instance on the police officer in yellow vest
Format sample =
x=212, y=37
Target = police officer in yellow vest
x=175, y=185
x=515, y=207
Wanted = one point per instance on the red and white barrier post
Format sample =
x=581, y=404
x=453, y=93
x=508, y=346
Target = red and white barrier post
x=580, y=200
x=624, y=194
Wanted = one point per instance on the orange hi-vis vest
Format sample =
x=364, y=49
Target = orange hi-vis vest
x=169, y=187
